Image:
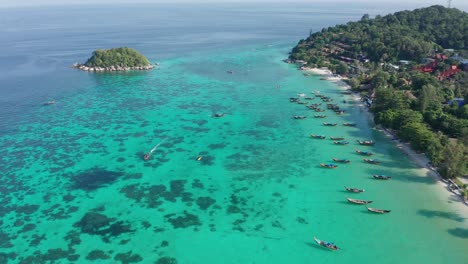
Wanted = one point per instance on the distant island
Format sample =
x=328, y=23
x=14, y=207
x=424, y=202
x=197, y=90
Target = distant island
x=411, y=70
x=116, y=59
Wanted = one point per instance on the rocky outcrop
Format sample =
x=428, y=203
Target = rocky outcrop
x=112, y=68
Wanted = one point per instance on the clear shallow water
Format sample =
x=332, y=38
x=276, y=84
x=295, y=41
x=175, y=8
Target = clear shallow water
x=73, y=179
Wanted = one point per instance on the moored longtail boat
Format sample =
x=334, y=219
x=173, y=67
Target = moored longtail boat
x=381, y=177
x=365, y=153
x=356, y=201
x=320, y=116
x=299, y=117
x=354, y=190
x=329, y=124
x=325, y=244
x=329, y=166
x=317, y=136
x=378, y=211
x=366, y=142
x=341, y=160
x=340, y=142
x=337, y=138
x=349, y=124
x=371, y=161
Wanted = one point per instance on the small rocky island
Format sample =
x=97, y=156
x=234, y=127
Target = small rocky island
x=116, y=59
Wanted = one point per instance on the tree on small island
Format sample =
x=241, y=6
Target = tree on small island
x=116, y=59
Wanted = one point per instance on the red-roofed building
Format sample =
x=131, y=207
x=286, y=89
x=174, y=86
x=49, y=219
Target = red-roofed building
x=453, y=70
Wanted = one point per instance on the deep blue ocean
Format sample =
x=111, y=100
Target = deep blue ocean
x=244, y=188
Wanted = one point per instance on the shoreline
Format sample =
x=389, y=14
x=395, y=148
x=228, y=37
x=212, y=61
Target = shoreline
x=112, y=68
x=419, y=159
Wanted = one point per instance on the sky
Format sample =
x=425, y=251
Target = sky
x=460, y=4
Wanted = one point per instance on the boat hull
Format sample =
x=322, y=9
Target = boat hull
x=378, y=211
x=324, y=244
x=354, y=190
x=355, y=201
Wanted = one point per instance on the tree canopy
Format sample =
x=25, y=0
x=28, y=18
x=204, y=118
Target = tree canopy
x=124, y=57
x=401, y=36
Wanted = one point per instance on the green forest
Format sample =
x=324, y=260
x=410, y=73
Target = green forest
x=408, y=66
x=124, y=57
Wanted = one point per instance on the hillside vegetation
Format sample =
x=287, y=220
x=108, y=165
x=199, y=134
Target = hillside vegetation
x=403, y=35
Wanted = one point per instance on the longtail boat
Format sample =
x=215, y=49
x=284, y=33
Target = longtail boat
x=378, y=211
x=365, y=153
x=320, y=116
x=329, y=166
x=337, y=138
x=49, y=103
x=299, y=117
x=329, y=124
x=317, y=136
x=149, y=153
x=325, y=244
x=341, y=160
x=331, y=106
x=340, y=142
x=218, y=115
x=354, y=190
x=349, y=124
x=381, y=177
x=356, y=201
x=371, y=161
x=366, y=142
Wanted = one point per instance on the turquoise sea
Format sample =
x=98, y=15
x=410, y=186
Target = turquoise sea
x=243, y=188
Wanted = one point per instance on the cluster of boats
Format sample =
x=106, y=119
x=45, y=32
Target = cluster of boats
x=303, y=100
x=364, y=202
x=337, y=140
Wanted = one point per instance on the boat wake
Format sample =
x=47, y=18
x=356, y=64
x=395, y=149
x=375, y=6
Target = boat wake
x=149, y=153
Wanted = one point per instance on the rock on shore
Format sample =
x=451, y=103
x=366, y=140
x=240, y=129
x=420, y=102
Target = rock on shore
x=112, y=68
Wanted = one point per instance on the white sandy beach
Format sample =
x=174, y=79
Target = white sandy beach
x=419, y=159
x=327, y=75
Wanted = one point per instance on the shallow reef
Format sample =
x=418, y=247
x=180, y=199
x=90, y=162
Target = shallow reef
x=183, y=221
x=128, y=257
x=94, y=223
x=94, y=178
